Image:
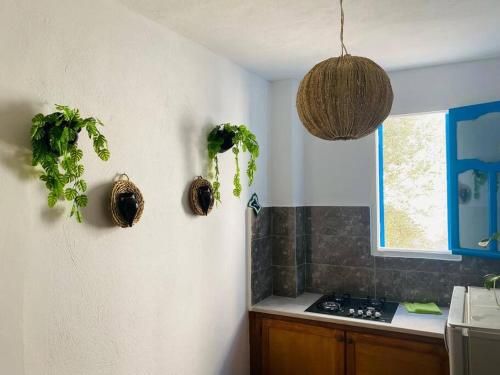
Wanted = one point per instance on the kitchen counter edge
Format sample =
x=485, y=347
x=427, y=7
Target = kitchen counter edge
x=403, y=322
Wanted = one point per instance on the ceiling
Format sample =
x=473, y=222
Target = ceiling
x=280, y=39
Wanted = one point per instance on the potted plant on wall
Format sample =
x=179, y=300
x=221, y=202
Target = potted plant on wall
x=54, y=141
x=490, y=283
x=238, y=138
x=490, y=280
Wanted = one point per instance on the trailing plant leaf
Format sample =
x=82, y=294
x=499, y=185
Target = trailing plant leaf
x=490, y=282
x=103, y=154
x=77, y=213
x=81, y=200
x=214, y=144
x=70, y=194
x=52, y=198
x=243, y=140
x=236, y=178
x=216, y=183
x=68, y=113
x=79, y=171
x=81, y=185
x=76, y=153
x=54, y=145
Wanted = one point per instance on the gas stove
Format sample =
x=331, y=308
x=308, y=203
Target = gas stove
x=367, y=308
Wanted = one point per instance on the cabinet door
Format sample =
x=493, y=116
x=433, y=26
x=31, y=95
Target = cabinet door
x=300, y=349
x=378, y=355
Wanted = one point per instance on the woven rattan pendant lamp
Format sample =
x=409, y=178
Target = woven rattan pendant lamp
x=345, y=97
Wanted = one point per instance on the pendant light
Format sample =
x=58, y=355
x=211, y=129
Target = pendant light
x=345, y=97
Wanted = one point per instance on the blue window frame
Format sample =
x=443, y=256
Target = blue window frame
x=456, y=166
x=381, y=184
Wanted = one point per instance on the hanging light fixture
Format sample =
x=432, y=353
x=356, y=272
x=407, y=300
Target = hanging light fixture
x=345, y=97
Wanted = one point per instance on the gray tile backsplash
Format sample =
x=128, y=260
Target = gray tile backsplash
x=262, y=284
x=261, y=256
x=326, y=278
x=278, y=242
x=285, y=281
x=338, y=221
x=300, y=249
x=284, y=253
x=261, y=224
x=301, y=279
x=326, y=249
x=262, y=253
x=283, y=221
x=339, y=250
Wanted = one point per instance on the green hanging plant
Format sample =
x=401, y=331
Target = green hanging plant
x=490, y=282
x=239, y=139
x=54, y=139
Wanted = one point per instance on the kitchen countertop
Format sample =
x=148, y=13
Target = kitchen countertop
x=403, y=322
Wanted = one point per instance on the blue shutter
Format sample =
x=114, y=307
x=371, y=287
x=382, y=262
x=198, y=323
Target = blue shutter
x=457, y=166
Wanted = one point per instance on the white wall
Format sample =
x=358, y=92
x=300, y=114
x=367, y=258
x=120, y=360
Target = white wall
x=167, y=296
x=445, y=86
x=343, y=173
x=286, y=153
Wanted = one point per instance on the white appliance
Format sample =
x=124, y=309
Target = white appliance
x=472, y=334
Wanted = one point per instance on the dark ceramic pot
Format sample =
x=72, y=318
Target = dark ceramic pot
x=227, y=136
x=128, y=207
x=205, y=198
x=73, y=141
x=70, y=143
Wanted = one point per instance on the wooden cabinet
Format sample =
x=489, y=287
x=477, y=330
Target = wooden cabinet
x=289, y=346
x=298, y=349
x=368, y=354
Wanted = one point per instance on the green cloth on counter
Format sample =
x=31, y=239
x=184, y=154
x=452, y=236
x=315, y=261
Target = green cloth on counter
x=422, y=308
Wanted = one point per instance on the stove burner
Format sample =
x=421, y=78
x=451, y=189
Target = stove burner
x=329, y=306
x=340, y=300
x=374, y=304
x=356, y=308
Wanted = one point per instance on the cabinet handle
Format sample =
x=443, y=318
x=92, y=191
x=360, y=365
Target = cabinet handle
x=339, y=338
x=350, y=341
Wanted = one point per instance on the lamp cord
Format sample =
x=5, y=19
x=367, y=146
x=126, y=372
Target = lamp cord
x=344, y=49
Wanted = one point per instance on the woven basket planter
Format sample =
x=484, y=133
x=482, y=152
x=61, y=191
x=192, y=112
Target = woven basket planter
x=124, y=185
x=345, y=97
x=194, y=200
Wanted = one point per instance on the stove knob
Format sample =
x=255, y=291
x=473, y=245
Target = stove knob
x=369, y=313
x=360, y=312
x=351, y=311
x=377, y=315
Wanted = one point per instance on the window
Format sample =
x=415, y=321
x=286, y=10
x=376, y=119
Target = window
x=473, y=178
x=412, y=185
x=438, y=182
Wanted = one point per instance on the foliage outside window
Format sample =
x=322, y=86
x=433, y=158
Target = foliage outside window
x=414, y=182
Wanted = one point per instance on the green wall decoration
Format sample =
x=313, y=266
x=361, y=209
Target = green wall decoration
x=54, y=141
x=254, y=204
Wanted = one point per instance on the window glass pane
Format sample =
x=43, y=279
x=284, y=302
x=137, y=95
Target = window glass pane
x=479, y=138
x=473, y=208
x=414, y=182
x=498, y=203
